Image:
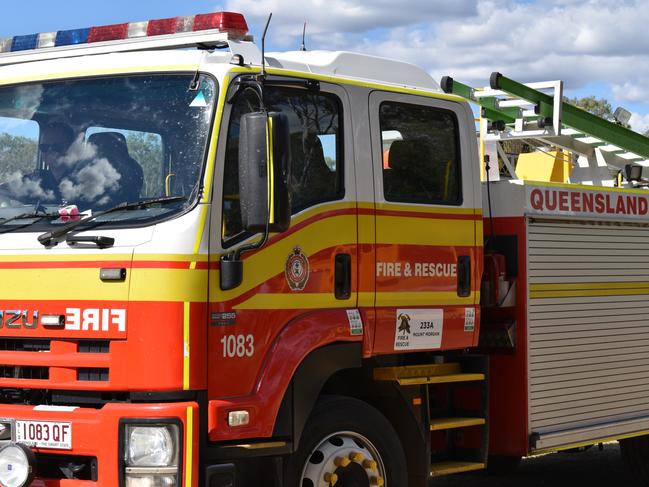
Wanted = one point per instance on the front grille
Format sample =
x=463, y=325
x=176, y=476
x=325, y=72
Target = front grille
x=24, y=372
x=94, y=346
x=52, y=360
x=92, y=374
x=24, y=345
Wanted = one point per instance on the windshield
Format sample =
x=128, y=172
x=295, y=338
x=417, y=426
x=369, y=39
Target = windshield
x=81, y=146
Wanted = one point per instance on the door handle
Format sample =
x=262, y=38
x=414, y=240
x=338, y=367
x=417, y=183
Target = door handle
x=343, y=276
x=464, y=276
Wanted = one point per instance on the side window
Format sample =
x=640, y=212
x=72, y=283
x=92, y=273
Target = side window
x=315, y=148
x=19, y=143
x=421, y=154
x=143, y=151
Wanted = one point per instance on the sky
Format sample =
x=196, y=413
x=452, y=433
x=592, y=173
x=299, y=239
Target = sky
x=597, y=47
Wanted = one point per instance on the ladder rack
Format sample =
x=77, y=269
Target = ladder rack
x=515, y=110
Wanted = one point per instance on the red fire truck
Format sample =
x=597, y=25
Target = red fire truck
x=225, y=267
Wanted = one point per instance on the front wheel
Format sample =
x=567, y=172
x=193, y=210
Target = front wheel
x=347, y=443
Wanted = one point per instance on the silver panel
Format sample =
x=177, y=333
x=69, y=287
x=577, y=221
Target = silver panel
x=588, y=354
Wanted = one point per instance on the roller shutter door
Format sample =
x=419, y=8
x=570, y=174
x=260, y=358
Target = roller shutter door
x=588, y=322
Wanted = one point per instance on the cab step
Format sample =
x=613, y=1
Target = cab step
x=412, y=375
x=451, y=467
x=439, y=424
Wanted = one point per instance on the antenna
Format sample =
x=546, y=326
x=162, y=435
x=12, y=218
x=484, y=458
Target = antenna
x=303, y=47
x=263, y=46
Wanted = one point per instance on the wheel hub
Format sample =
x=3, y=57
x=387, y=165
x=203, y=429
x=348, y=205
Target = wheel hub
x=344, y=459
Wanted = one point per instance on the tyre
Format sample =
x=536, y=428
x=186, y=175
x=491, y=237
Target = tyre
x=635, y=455
x=347, y=443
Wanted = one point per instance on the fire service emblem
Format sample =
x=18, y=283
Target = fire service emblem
x=297, y=269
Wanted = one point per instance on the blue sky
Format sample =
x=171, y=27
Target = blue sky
x=597, y=46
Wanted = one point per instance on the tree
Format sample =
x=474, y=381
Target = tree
x=17, y=153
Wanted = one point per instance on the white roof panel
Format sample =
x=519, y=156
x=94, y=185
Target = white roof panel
x=354, y=66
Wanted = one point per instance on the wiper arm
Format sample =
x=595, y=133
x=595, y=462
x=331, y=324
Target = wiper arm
x=38, y=216
x=52, y=238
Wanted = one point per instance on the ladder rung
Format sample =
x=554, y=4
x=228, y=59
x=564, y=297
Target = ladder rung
x=409, y=371
x=426, y=374
x=448, y=468
x=441, y=379
x=438, y=424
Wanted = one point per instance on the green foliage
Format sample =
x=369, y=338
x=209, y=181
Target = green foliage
x=146, y=149
x=17, y=153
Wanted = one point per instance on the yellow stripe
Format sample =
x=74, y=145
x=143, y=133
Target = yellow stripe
x=168, y=285
x=189, y=454
x=186, y=347
x=271, y=259
x=592, y=293
x=326, y=300
x=84, y=284
x=98, y=72
x=588, y=285
x=403, y=230
x=315, y=211
x=588, y=289
x=423, y=209
x=60, y=284
x=270, y=170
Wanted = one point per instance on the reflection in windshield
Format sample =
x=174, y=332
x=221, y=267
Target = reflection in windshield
x=83, y=146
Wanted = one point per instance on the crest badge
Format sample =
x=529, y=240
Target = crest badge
x=297, y=269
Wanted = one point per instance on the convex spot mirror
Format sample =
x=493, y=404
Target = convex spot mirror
x=264, y=172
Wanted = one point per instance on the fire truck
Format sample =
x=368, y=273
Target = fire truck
x=225, y=267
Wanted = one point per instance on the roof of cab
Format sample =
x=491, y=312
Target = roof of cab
x=354, y=66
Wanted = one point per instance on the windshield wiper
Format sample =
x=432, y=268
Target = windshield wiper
x=36, y=215
x=52, y=238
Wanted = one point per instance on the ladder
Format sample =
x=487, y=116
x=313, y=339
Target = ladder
x=514, y=110
x=453, y=398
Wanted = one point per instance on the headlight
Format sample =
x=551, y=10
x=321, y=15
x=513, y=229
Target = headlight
x=16, y=465
x=151, y=446
x=151, y=454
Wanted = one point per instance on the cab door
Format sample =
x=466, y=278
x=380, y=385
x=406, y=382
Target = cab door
x=426, y=223
x=306, y=274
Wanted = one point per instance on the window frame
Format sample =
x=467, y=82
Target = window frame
x=341, y=168
x=459, y=201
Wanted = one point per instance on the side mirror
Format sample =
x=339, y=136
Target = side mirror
x=264, y=172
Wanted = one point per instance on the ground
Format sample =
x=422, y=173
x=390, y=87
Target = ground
x=593, y=468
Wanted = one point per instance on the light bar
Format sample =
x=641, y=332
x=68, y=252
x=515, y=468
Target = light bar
x=231, y=23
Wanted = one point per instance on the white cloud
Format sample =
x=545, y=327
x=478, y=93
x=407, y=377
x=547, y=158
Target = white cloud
x=89, y=183
x=640, y=123
x=630, y=91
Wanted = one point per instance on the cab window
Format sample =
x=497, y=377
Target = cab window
x=421, y=155
x=315, y=151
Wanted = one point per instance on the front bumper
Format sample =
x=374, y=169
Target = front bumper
x=95, y=439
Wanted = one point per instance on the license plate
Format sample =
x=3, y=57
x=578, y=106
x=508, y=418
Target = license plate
x=45, y=434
